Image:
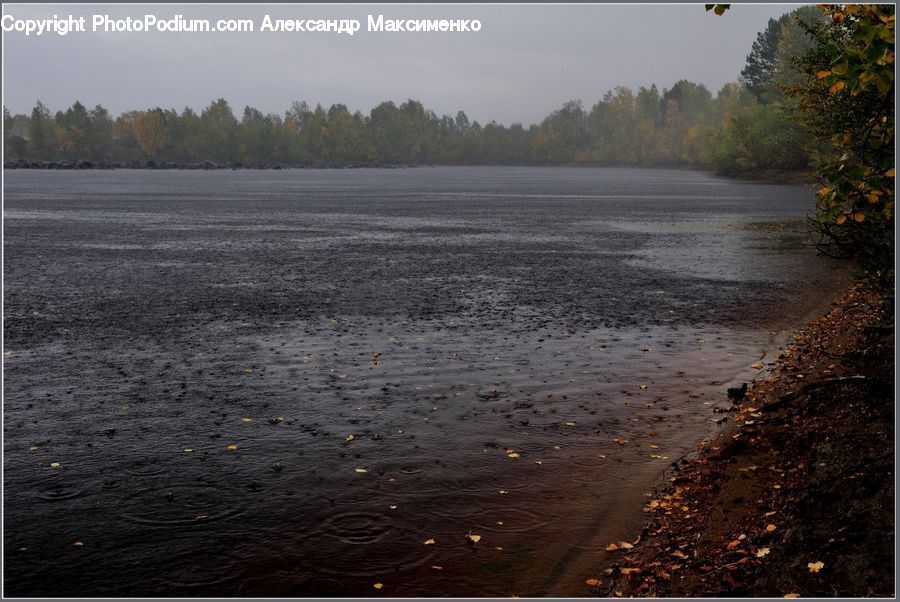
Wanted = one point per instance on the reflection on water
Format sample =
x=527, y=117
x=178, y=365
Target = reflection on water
x=286, y=383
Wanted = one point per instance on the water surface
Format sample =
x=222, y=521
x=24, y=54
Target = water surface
x=584, y=321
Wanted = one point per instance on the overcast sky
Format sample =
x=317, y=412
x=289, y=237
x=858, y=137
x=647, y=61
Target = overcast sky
x=525, y=62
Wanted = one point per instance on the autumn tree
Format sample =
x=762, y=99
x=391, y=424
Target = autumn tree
x=847, y=100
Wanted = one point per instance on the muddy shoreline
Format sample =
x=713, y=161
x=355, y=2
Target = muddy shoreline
x=795, y=496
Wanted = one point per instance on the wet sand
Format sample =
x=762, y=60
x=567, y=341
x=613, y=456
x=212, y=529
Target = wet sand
x=585, y=322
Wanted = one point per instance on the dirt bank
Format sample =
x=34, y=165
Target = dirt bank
x=796, y=495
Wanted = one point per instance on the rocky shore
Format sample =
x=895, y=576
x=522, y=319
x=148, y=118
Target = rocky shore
x=795, y=497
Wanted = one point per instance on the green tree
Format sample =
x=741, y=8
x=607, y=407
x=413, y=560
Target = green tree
x=847, y=101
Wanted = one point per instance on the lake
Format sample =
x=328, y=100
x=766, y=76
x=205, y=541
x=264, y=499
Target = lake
x=288, y=383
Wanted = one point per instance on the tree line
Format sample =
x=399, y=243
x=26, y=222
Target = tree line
x=747, y=125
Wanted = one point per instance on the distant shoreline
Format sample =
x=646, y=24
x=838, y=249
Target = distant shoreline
x=778, y=176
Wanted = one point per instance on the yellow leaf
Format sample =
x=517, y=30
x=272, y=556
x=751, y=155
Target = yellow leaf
x=815, y=567
x=840, y=219
x=349, y=437
x=232, y=447
x=858, y=217
x=248, y=370
x=762, y=552
x=757, y=366
x=625, y=545
x=360, y=470
x=837, y=87
x=55, y=464
x=822, y=74
x=378, y=585
x=612, y=547
x=890, y=173
x=472, y=538
x=429, y=542
x=792, y=595
x=570, y=423
x=512, y=455
x=592, y=582
x=188, y=450
x=770, y=527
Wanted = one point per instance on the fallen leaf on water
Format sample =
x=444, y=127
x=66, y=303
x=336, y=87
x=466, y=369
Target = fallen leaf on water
x=620, y=441
x=35, y=447
x=770, y=527
x=512, y=455
x=612, y=547
x=757, y=366
x=7, y=353
x=570, y=423
x=246, y=420
x=248, y=370
x=643, y=386
x=625, y=545
x=538, y=461
x=792, y=595
x=349, y=437
x=55, y=464
x=187, y=450
x=500, y=522
x=360, y=470
x=378, y=585
x=472, y=538
x=592, y=582
x=437, y=567
x=78, y=544
x=392, y=507
x=202, y=517
x=232, y=447
x=815, y=567
x=429, y=542
x=762, y=552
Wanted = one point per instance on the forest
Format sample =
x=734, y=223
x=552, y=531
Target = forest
x=747, y=125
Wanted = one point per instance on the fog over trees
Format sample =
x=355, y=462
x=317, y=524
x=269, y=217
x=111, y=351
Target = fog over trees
x=747, y=125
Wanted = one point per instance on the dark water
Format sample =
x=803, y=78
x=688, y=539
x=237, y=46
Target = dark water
x=445, y=318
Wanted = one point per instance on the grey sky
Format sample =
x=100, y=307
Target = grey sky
x=525, y=62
